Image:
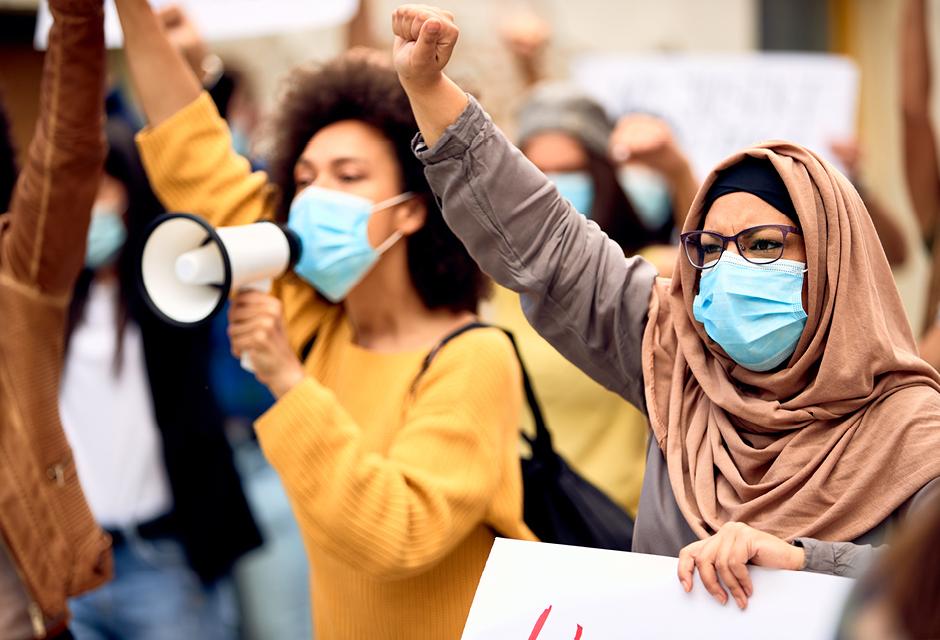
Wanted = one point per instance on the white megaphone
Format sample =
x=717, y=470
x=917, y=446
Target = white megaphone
x=189, y=269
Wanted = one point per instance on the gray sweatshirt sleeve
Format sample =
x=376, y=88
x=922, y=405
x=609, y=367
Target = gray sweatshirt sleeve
x=837, y=558
x=853, y=559
x=577, y=288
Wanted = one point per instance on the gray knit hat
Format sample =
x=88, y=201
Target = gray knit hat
x=560, y=106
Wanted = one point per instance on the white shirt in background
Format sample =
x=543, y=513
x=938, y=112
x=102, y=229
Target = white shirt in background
x=109, y=418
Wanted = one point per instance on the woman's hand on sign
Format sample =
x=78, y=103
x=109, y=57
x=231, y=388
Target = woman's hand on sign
x=721, y=560
x=424, y=41
x=256, y=327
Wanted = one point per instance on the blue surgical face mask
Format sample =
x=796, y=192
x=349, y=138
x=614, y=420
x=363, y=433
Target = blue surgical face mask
x=577, y=187
x=333, y=228
x=649, y=194
x=754, y=312
x=106, y=235
x=241, y=143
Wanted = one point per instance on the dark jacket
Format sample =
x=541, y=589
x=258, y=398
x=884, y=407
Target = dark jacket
x=210, y=509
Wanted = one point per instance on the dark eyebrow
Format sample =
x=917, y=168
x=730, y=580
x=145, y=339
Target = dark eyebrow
x=305, y=162
x=338, y=161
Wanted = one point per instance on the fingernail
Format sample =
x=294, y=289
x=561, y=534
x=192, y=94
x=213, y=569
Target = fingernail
x=434, y=27
x=741, y=603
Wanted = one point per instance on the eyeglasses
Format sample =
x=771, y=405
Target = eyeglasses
x=758, y=245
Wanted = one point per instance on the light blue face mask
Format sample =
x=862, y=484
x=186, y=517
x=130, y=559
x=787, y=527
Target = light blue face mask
x=576, y=187
x=106, y=235
x=241, y=143
x=333, y=228
x=649, y=194
x=754, y=312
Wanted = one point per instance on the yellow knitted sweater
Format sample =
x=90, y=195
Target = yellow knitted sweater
x=398, y=493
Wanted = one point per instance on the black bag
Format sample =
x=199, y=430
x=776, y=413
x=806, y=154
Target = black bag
x=559, y=505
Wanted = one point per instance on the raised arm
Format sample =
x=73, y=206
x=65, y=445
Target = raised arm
x=577, y=289
x=186, y=147
x=920, y=155
x=162, y=79
x=43, y=244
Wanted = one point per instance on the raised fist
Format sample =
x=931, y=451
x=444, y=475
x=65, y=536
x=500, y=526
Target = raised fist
x=526, y=34
x=424, y=41
x=648, y=140
x=184, y=35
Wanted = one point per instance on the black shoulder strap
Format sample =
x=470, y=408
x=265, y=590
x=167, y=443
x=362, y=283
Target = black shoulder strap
x=542, y=436
x=308, y=347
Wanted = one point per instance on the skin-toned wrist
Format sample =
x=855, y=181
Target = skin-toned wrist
x=437, y=104
x=798, y=558
x=286, y=380
x=425, y=87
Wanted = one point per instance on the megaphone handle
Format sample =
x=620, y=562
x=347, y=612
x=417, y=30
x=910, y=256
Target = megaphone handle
x=264, y=286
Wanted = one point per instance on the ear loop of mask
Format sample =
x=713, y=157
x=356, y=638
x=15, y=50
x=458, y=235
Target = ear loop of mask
x=385, y=204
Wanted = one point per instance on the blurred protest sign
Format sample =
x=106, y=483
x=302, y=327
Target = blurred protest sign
x=537, y=591
x=720, y=103
x=228, y=19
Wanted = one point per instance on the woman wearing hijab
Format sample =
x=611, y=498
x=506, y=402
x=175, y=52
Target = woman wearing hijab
x=792, y=419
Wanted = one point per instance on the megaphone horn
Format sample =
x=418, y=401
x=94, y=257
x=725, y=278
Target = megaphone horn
x=189, y=268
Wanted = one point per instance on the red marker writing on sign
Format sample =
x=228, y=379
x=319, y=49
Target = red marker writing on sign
x=537, y=629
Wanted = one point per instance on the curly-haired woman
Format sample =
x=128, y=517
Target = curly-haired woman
x=399, y=484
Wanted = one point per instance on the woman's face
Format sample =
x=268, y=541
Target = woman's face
x=357, y=158
x=556, y=152
x=733, y=212
x=112, y=194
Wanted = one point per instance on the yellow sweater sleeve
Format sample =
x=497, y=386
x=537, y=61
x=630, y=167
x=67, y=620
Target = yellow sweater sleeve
x=193, y=168
x=394, y=515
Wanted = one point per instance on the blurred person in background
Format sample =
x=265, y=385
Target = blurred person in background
x=566, y=134
x=50, y=546
x=658, y=178
x=399, y=483
x=849, y=153
x=272, y=581
x=147, y=436
x=898, y=598
x=650, y=166
x=921, y=166
x=777, y=366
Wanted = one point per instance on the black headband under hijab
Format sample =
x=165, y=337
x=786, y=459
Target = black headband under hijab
x=757, y=177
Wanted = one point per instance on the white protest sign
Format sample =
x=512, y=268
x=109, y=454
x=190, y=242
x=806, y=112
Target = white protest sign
x=720, y=103
x=537, y=591
x=227, y=19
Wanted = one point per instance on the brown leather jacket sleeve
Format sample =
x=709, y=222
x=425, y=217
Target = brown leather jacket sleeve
x=43, y=239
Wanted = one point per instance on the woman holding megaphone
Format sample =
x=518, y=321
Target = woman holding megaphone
x=398, y=482
x=793, y=422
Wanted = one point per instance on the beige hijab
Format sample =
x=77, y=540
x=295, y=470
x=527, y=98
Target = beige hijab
x=831, y=444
